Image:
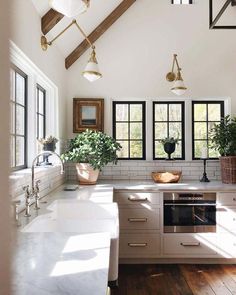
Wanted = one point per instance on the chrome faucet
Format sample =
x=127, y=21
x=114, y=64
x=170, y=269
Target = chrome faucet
x=34, y=191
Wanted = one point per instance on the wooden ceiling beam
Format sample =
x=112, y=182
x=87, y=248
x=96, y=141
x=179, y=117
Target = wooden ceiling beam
x=49, y=20
x=97, y=33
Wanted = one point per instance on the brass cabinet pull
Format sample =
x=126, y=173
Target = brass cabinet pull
x=137, y=244
x=137, y=199
x=137, y=219
x=190, y=244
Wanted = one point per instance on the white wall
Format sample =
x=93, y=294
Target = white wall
x=26, y=33
x=4, y=150
x=136, y=53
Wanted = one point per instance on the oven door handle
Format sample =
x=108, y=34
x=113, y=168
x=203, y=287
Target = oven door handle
x=187, y=204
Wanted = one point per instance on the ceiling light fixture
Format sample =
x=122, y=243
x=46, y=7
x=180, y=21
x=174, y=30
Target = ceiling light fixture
x=178, y=87
x=70, y=8
x=91, y=71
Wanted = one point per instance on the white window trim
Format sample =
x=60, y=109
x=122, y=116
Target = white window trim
x=36, y=76
x=188, y=119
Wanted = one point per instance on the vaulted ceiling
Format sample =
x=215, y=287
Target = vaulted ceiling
x=99, y=17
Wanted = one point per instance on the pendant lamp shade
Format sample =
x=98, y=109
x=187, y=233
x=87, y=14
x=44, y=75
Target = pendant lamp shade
x=69, y=8
x=178, y=87
x=91, y=71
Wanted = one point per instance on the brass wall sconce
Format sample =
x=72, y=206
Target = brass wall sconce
x=91, y=71
x=178, y=87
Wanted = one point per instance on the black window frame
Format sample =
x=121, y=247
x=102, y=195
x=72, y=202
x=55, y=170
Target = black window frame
x=182, y=103
x=38, y=114
x=143, y=103
x=207, y=102
x=25, y=106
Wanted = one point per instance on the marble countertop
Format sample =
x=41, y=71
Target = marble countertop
x=61, y=263
x=183, y=186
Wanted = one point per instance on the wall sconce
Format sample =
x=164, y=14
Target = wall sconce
x=178, y=86
x=70, y=8
x=91, y=71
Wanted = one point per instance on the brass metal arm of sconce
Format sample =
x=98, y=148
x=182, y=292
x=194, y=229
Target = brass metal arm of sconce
x=45, y=43
x=171, y=76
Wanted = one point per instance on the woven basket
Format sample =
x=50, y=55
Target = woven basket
x=228, y=169
x=166, y=176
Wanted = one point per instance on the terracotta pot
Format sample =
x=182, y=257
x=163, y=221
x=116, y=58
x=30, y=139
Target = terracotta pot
x=86, y=174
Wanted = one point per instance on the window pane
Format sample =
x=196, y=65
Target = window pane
x=124, y=152
x=20, y=120
x=159, y=150
x=136, y=112
x=160, y=130
x=12, y=84
x=175, y=130
x=210, y=126
x=200, y=112
x=12, y=151
x=121, y=112
x=175, y=112
x=136, y=149
x=214, y=112
x=178, y=151
x=198, y=145
x=212, y=153
x=160, y=112
x=122, y=131
x=12, y=118
x=20, y=89
x=41, y=102
x=200, y=130
x=41, y=127
x=20, y=148
x=135, y=130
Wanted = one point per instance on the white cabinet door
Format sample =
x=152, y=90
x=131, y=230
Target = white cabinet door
x=227, y=245
x=135, y=198
x=226, y=219
x=226, y=199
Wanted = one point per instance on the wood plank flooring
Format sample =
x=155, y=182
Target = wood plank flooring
x=171, y=279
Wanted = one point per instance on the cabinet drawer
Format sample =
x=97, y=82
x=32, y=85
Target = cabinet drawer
x=139, y=218
x=132, y=198
x=190, y=245
x=227, y=245
x=140, y=245
x=226, y=199
x=226, y=219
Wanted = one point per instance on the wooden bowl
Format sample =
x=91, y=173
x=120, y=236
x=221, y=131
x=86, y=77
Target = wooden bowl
x=166, y=176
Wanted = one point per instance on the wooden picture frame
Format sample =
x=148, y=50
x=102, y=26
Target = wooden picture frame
x=88, y=114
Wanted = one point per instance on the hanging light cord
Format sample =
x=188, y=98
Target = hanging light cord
x=74, y=22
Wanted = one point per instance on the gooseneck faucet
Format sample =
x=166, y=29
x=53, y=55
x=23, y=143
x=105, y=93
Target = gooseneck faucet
x=34, y=191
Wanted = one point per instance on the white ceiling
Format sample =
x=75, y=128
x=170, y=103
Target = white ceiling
x=98, y=11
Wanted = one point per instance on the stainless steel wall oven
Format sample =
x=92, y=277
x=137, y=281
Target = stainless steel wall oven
x=189, y=212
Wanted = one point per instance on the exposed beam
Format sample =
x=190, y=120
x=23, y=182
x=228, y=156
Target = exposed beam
x=49, y=20
x=97, y=33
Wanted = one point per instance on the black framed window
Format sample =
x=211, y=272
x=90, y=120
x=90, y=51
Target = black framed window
x=168, y=121
x=129, y=128
x=181, y=1
x=40, y=112
x=205, y=114
x=18, y=124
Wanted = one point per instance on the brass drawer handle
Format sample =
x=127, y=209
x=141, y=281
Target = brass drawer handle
x=197, y=244
x=137, y=244
x=137, y=219
x=137, y=199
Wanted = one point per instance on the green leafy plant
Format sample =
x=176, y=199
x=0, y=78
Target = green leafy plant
x=94, y=148
x=223, y=136
x=169, y=140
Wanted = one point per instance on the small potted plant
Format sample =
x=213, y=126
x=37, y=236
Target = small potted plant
x=223, y=138
x=91, y=151
x=169, y=144
x=48, y=144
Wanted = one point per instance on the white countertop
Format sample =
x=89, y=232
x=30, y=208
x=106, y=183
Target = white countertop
x=61, y=263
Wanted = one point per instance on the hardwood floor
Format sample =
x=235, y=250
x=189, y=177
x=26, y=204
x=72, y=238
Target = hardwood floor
x=169, y=279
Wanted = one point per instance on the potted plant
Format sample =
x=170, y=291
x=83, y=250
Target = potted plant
x=169, y=144
x=48, y=144
x=91, y=151
x=223, y=138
